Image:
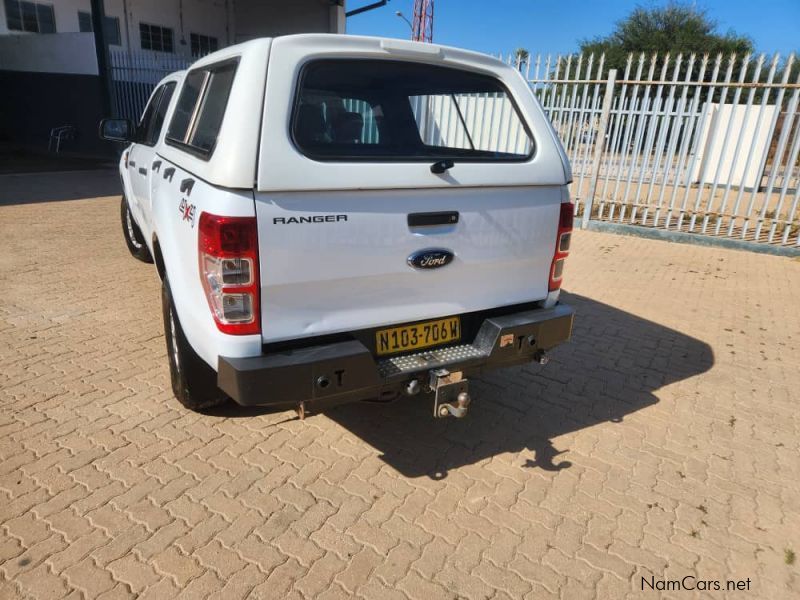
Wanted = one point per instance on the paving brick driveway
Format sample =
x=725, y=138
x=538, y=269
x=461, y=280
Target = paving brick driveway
x=663, y=441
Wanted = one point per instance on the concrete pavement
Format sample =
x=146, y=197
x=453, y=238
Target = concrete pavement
x=661, y=443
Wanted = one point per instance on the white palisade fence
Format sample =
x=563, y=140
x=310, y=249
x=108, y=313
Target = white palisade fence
x=688, y=143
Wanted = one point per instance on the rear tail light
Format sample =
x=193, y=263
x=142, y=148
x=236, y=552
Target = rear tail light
x=228, y=251
x=563, y=240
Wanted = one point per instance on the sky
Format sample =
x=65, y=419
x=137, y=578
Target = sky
x=557, y=26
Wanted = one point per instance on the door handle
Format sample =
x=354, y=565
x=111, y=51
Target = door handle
x=168, y=173
x=156, y=166
x=142, y=171
x=430, y=219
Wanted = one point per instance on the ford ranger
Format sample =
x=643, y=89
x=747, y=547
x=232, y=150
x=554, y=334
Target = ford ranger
x=339, y=218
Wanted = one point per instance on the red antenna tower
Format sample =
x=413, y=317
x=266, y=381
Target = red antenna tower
x=422, y=23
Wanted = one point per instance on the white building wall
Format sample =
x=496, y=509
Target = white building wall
x=269, y=18
x=229, y=21
x=71, y=53
x=65, y=11
x=184, y=17
x=215, y=18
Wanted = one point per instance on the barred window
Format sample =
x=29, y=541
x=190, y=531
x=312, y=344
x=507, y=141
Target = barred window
x=85, y=21
x=154, y=37
x=202, y=44
x=34, y=17
x=110, y=29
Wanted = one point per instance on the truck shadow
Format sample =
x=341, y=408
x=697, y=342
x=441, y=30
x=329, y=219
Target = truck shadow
x=610, y=369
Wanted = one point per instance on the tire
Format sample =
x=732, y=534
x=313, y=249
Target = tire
x=133, y=235
x=194, y=383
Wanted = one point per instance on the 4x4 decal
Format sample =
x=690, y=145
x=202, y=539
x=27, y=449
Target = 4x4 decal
x=187, y=211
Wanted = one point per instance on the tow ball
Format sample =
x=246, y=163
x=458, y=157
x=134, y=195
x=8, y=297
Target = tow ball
x=451, y=393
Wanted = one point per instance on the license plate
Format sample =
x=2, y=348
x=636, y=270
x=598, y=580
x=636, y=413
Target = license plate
x=419, y=335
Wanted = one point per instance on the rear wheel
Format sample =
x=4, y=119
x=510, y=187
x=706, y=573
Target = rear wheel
x=194, y=383
x=133, y=235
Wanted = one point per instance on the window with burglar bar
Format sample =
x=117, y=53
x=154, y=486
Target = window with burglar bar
x=110, y=27
x=154, y=37
x=85, y=21
x=34, y=17
x=202, y=44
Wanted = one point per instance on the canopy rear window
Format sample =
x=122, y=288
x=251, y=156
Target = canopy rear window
x=356, y=109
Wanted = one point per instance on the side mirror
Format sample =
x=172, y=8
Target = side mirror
x=116, y=130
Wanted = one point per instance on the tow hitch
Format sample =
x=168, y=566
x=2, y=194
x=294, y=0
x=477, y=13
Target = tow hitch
x=451, y=393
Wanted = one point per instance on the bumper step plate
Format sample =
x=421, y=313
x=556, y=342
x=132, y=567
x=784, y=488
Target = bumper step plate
x=429, y=359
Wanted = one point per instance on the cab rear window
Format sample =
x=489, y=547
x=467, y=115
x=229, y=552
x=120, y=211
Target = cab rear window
x=356, y=109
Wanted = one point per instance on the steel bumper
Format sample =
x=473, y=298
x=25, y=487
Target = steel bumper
x=346, y=371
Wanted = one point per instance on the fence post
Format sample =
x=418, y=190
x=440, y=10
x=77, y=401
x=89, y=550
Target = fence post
x=599, y=144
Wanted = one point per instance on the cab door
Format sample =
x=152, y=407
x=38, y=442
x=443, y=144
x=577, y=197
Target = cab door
x=155, y=167
x=142, y=154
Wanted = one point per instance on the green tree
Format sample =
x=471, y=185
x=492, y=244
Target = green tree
x=674, y=28
x=521, y=55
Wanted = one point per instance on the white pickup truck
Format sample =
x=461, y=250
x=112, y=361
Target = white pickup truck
x=338, y=218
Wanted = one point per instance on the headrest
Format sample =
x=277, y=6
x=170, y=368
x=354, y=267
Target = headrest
x=310, y=127
x=348, y=127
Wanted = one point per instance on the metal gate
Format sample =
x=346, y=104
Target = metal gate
x=685, y=143
x=134, y=75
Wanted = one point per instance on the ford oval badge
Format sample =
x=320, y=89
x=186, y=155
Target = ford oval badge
x=430, y=258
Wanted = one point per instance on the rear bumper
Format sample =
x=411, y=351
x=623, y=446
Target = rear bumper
x=343, y=372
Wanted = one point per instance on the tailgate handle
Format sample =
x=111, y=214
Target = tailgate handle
x=430, y=219
x=441, y=166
